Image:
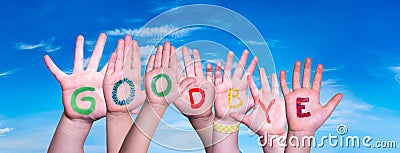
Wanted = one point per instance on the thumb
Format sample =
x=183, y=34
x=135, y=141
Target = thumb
x=242, y=118
x=186, y=83
x=331, y=105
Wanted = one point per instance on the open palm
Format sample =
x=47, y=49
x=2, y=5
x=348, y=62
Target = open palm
x=268, y=115
x=196, y=105
x=82, y=92
x=303, y=108
x=122, y=83
x=232, y=91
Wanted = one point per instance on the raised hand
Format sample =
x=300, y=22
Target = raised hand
x=122, y=82
x=122, y=90
x=82, y=92
x=268, y=116
x=161, y=78
x=196, y=101
x=303, y=108
x=82, y=96
x=232, y=90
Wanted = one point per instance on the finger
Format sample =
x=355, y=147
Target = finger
x=128, y=49
x=240, y=66
x=157, y=62
x=296, y=76
x=166, y=53
x=217, y=74
x=150, y=63
x=307, y=73
x=187, y=59
x=111, y=64
x=54, y=69
x=318, y=78
x=198, y=67
x=275, y=86
x=242, y=118
x=253, y=88
x=250, y=104
x=228, y=66
x=97, y=53
x=252, y=66
x=174, y=63
x=332, y=104
x=136, y=56
x=209, y=73
x=79, y=60
x=135, y=111
x=264, y=80
x=186, y=83
x=284, y=87
x=120, y=55
x=104, y=69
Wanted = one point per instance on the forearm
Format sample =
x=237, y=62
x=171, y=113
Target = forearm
x=273, y=143
x=70, y=136
x=118, y=125
x=225, y=142
x=299, y=141
x=204, y=128
x=139, y=136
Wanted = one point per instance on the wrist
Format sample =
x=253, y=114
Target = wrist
x=80, y=123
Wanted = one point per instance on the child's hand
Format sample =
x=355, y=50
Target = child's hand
x=268, y=116
x=122, y=82
x=82, y=92
x=303, y=108
x=196, y=101
x=232, y=91
x=161, y=78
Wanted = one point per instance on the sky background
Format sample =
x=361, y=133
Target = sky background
x=356, y=41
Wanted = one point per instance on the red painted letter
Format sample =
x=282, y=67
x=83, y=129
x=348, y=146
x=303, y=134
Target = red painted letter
x=200, y=103
x=299, y=107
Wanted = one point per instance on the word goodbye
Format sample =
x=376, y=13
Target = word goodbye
x=91, y=99
x=299, y=107
x=154, y=85
x=234, y=95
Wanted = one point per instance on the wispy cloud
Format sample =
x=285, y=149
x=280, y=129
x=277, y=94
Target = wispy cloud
x=7, y=73
x=47, y=46
x=5, y=130
x=396, y=70
x=160, y=31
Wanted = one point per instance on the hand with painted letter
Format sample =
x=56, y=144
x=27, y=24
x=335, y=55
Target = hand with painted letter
x=268, y=118
x=304, y=111
x=122, y=90
x=268, y=115
x=196, y=101
x=161, y=78
x=82, y=96
x=122, y=82
x=82, y=92
x=232, y=89
x=231, y=98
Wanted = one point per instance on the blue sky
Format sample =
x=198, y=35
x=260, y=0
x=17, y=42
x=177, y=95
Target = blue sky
x=355, y=40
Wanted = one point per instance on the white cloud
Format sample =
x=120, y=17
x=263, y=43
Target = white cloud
x=6, y=73
x=160, y=31
x=47, y=46
x=5, y=130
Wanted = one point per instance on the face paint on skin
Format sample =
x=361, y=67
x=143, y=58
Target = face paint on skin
x=153, y=85
x=267, y=108
x=299, y=107
x=91, y=99
x=200, y=103
x=131, y=92
x=236, y=96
